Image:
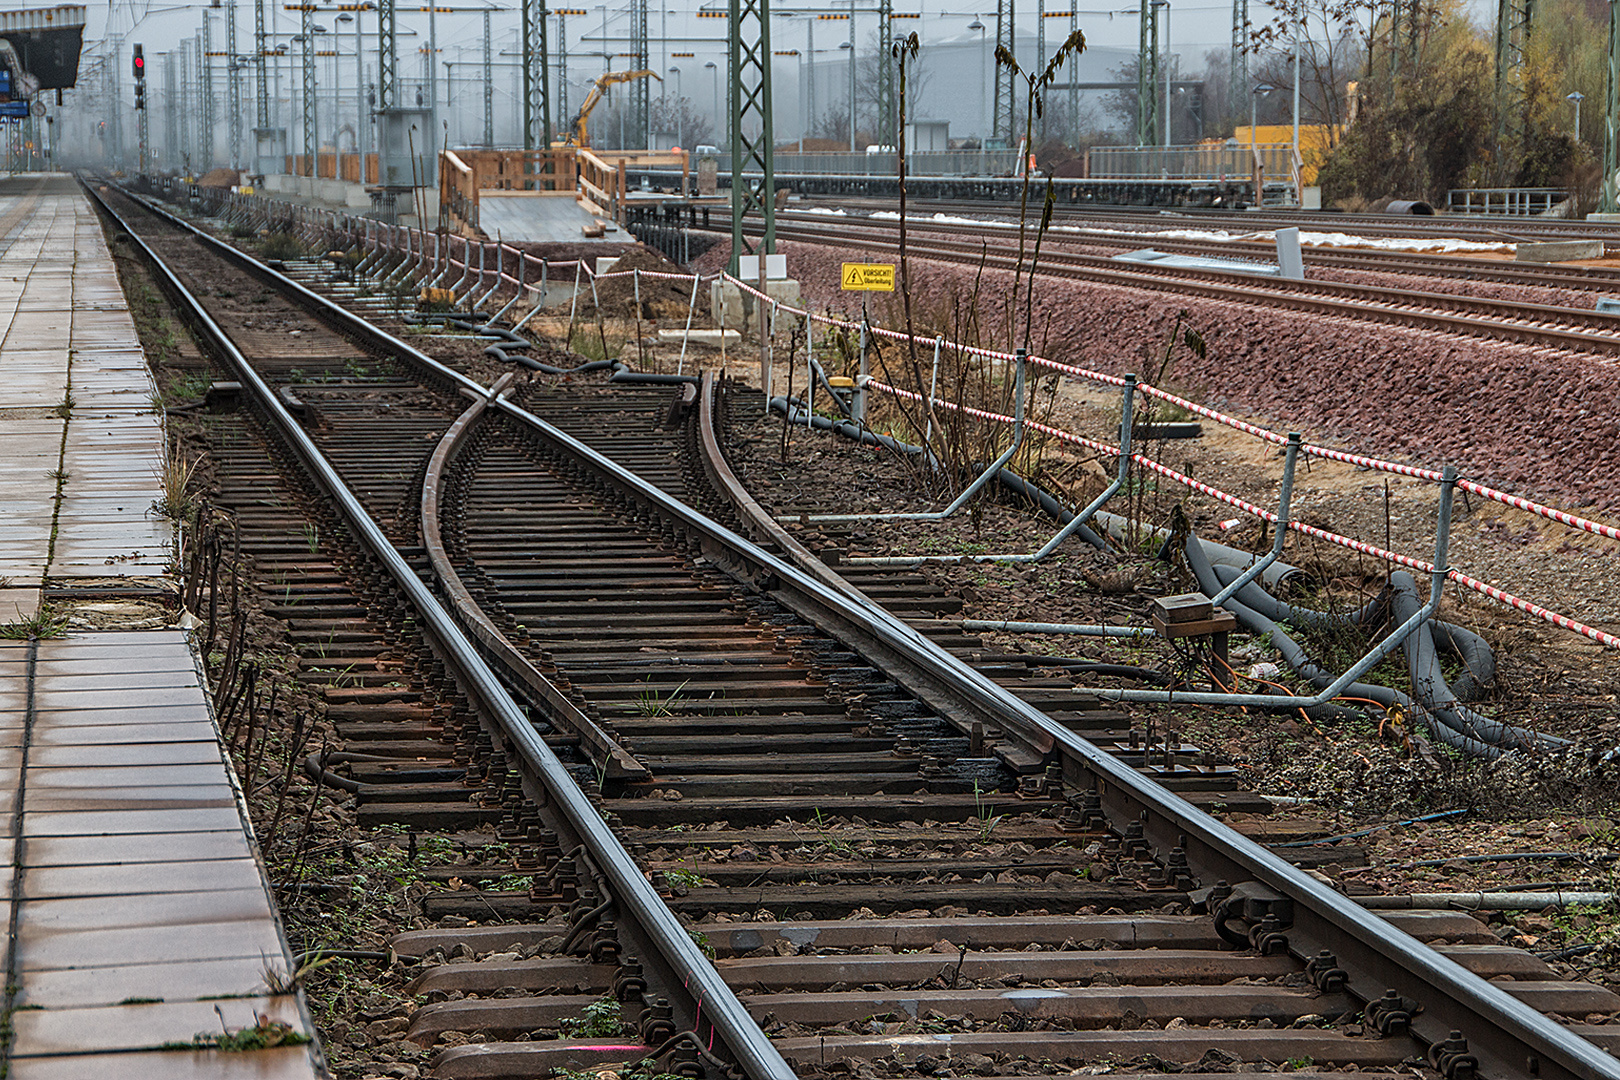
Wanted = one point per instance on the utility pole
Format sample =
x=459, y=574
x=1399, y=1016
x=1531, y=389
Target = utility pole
x=885, y=87
x=387, y=58
x=1004, y=120
x=1147, y=70
x=432, y=148
x=640, y=92
x=753, y=138
x=1611, y=114
x=1238, y=67
x=171, y=138
x=1513, y=26
x=563, y=115
x=264, y=136
x=206, y=65
x=810, y=86
x=306, y=29
x=183, y=109
x=115, y=118
x=233, y=90
x=536, y=75
x=489, y=87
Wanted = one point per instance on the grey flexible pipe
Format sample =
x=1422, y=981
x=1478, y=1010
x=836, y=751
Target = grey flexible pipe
x=794, y=410
x=821, y=375
x=1256, y=623
x=1423, y=665
x=499, y=352
x=1446, y=724
x=1479, y=662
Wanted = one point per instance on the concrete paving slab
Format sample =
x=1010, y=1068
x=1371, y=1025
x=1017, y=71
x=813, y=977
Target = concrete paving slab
x=70, y=734
x=60, y=882
x=138, y=1027
x=113, y=984
x=126, y=754
x=96, y=823
x=136, y=778
x=121, y=801
x=149, y=945
x=93, y=913
x=130, y=849
x=282, y=1063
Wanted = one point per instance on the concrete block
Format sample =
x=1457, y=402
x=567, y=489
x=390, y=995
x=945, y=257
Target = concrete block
x=734, y=309
x=1558, y=251
x=700, y=336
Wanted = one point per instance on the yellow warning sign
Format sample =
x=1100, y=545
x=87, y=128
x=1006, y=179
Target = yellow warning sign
x=869, y=277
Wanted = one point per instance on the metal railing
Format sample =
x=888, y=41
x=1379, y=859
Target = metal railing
x=1203, y=161
x=1521, y=202
x=918, y=163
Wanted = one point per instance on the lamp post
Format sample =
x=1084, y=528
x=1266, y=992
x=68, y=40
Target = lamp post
x=676, y=71
x=1295, y=160
x=1166, y=5
x=359, y=97
x=714, y=71
x=314, y=43
x=1260, y=90
x=1577, y=97
x=810, y=87
x=979, y=26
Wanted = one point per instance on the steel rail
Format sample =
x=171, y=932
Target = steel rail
x=1510, y=1038
x=1323, y=298
x=617, y=762
x=1497, y=226
x=692, y=970
x=1385, y=261
x=1384, y=957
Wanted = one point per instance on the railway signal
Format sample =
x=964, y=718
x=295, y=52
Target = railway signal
x=139, y=63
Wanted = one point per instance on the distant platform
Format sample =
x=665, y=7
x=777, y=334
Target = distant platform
x=544, y=219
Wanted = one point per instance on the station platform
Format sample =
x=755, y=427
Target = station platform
x=139, y=912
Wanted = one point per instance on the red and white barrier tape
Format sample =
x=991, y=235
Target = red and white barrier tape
x=1353, y=544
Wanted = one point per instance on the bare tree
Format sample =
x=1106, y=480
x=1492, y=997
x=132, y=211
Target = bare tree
x=1334, y=37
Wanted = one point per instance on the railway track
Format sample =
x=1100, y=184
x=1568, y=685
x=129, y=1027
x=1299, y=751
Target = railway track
x=1570, y=329
x=898, y=862
x=1582, y=278
x=1479, y=226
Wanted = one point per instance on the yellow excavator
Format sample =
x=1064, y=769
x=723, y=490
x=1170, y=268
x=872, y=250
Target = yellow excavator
x=578, y=134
